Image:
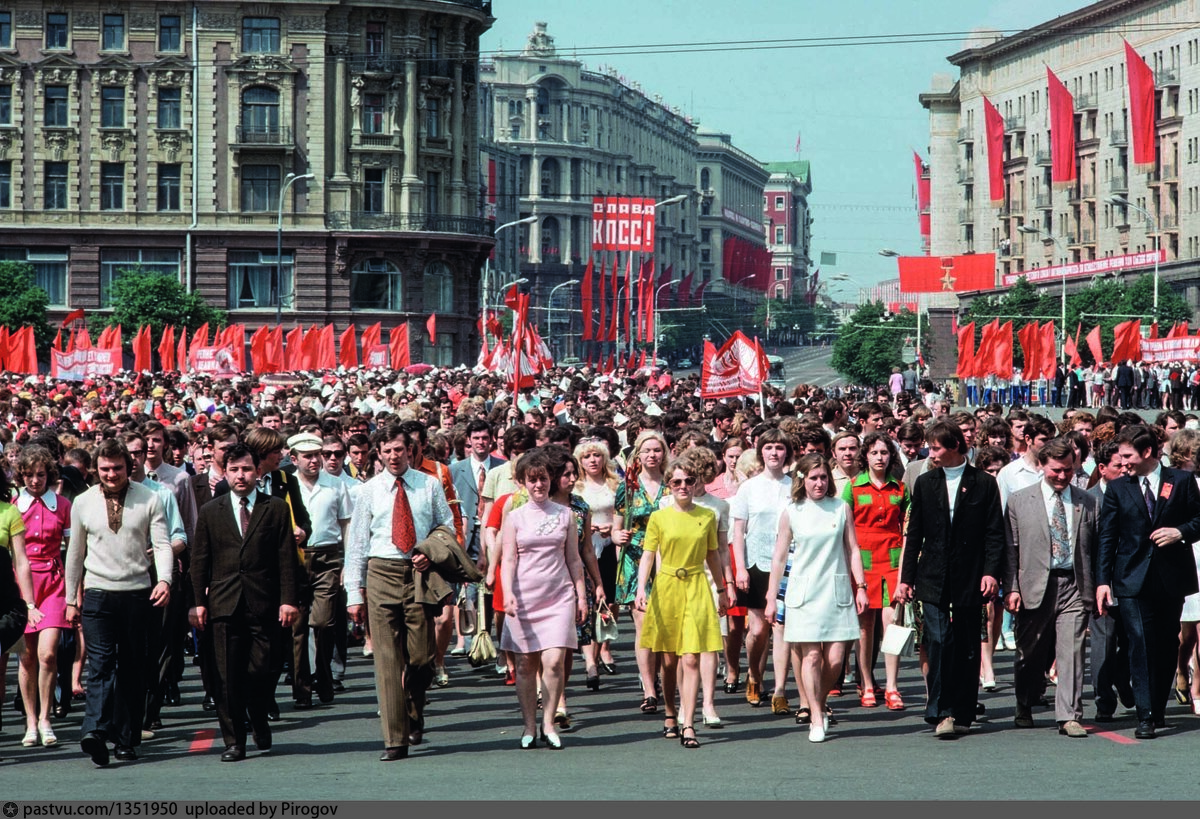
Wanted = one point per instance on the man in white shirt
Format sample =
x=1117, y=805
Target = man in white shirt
x=1026, y=470
x=381, y=566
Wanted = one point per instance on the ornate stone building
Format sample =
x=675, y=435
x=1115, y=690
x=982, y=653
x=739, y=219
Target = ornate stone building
x=172, y=134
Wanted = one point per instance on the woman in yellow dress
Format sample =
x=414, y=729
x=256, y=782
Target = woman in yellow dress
x=681, y=622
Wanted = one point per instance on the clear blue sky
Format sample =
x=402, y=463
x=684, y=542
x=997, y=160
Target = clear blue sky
x=855, y=107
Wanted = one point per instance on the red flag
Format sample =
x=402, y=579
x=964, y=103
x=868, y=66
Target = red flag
x=698, y=297
x=651, y=292
x=103, y=340
x=683, y=295
x=310, y=348
x=260, y=359
x=235, y=339
x=166, y=349
x=628, y=298
x=1004, y=351
x=1030, y=337
x=601, y=333
x=994, y=131
x=615, y=306
x=295, y=349
x=22, y=356
x=1142, y=131
x=275, y=355
x=326, y=348
x=966, y=350
x=1093, y=343
x=116, y=342
x=57, y=343
x=631, y=363
x=585, y=299
x=200, y=337
x=1049, y=357
x=399, y=346
x=143, y=349
x=738, y=368
x=1154, y=330
x=181, y=351
x=371, y=337
x=941, y=274
x=1071, y=348
x=986, y=354
x=1062, y=132
x=83, y=340
x=431, y=328
x=348, y=345
x=74, y=315
x=1127, y=341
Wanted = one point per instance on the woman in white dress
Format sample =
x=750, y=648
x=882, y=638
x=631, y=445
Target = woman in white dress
x=826, y=590
x=1184, y=449
x=597, y=485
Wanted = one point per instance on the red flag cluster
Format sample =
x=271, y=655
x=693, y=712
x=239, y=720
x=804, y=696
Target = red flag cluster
x=995, y=353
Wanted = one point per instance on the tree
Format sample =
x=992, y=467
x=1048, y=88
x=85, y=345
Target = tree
x=870, y=344
x=23, y=303
x=141, y=296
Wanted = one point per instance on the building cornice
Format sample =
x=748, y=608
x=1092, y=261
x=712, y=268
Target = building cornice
x=1063, y=25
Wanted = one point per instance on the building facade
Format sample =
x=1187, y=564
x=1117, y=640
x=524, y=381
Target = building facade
x=1037, y=225
x=789, y=226
x=180, y=136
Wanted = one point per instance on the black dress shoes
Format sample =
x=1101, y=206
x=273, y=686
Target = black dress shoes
x=172, y=697
x=61, y=711
x=416, y=736
x=302, y=705
x=210, y=704
x=153, y=725
x=125, y=753
x=94, y=746
x=1145, y=730
x=262, y=735
x=339, y=687
x=233, y=753
x=1105, y=718
x=273, y=711
x=394, y=754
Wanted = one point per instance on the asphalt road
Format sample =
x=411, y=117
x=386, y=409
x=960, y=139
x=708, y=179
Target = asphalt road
x=616, y=753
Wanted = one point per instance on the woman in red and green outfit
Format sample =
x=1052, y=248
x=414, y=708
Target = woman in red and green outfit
x=878, y=501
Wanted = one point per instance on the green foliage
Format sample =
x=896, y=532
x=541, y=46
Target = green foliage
x=141, y=296
x=868, y=347
x=23, y=303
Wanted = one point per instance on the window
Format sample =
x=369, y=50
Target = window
x=706, y=235
x=56, y=185
x=170, y=108
x=374, y=38
x=374, y=180
x=432, y=124
x=5, y=29
x=260, y=114
x=433, y=192
x=260, y=35
x=705, y=179
x=251, y=273
x=6, y=184
x=260, y=187
x=170, y=32
x=439, y=288
x=56, y=106
x=49, y=269
x=5, y=105
x=706, y=254
x=779, y=230
x=112, y=38
x=372, y=113
x=112, y=107
x=375, y=284
x=112, y=186
x=778, y=203
x=170, y=180
x=56, y=30
x=115, y=260
x=779, y=274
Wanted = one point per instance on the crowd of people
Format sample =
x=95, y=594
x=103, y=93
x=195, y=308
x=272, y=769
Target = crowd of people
x=267, y=529
x=1121, y=384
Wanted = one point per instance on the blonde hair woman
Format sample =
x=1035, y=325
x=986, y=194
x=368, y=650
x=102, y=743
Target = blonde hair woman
x=597, y=485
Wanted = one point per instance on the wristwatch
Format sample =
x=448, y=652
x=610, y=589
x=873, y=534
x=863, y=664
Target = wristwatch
x=30, y=606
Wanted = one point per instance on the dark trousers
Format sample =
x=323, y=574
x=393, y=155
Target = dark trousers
x=1151, y=623
x=163, y=646
x=1110, y=662
x=242, y=679
x=402, y=634
x=115, y=625
x=323, y=568
x=952, y=647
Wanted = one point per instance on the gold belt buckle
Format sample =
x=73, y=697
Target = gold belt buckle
x=681, y=573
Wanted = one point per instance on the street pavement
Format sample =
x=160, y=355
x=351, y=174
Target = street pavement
x=616, y=753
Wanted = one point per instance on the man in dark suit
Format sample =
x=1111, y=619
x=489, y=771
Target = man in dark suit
x=1050, y=530
x=1148, y=520
x=1126, y=381
x=243, y=576
x=468, y=476
x=954, y=552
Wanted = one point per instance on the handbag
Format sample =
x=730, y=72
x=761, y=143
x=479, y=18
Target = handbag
x=898, y=639
x=467, y=620
x=606, y=625
x=483, y=650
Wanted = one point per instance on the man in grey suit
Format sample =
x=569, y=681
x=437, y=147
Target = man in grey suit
x=1050, y=532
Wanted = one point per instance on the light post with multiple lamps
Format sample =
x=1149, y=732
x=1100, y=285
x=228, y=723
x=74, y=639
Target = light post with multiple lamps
x=277, y=284
x=1150, y=222
x=550, y=303
x=654, y=307
x=920, y=304
x=487, y=265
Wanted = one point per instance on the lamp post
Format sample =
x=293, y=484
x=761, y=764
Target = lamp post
x=887, y=251
x=550, y=302
x=1030, y=229
x=277, y=284
x=1150, y=222
x=654, y=307
x=487, y=264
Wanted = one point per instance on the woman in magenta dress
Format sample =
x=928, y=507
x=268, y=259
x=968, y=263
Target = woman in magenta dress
x=47, y=517
x=544, y=594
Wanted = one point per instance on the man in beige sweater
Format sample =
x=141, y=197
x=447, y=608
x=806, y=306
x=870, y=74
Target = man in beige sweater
x=118, y=529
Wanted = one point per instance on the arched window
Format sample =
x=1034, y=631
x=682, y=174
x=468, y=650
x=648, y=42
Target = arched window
x=705, y=179
x=551, y=249
x=260, y=115
x=375, y=284
x=439, y=288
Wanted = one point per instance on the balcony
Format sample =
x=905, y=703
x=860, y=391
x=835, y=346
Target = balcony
x=1042, y=157
x=1161, y=174
x=1118, y=184
x=1166, y=77
x=1169, y=224
x=1086, y=101
x=1043, y=201
x=966, y=174
x=413, y=222
x=966, y=216
x=1014, y=124
x=263, y=135
x=1118, y=138
x=966, y=135
x=1085, y=237
x=375, y=64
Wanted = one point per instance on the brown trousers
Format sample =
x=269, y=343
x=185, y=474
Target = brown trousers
x=402, y=635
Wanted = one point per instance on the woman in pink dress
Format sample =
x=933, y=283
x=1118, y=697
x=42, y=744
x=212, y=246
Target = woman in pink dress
x=47, y=517
x=544, y=595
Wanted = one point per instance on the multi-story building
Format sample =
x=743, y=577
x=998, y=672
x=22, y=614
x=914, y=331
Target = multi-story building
x=789, y=226
x=579, y=134
x=175, y=135
x=1036, y=225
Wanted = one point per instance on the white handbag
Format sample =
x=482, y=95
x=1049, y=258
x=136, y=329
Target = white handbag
x=898, y=639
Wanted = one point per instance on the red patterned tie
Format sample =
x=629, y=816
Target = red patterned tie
x=404, y=534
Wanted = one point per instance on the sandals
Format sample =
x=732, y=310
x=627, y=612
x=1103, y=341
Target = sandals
x=46, y=734
x=670, y=731
x=732, y=687
x=686, y=741
x=893, y=700
x=650, y=705
x=867, y=699
x=804, y=716
x=562, y=719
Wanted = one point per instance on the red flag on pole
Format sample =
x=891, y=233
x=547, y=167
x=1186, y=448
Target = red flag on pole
x=601, y=333
x=275, y=355
x=1142, y=131
x=398, y=347
x=259, y=358
x=994, y=131
x=295, y=349
x=616, y=304
x=585, y=298
x=1093, y=343
x=628, y=298
x=235, y=339
x=142, y=349
x=1062, y=132
x=348, y=345
x=372, y=337
x=181, y=351
x=1071, y=348
x=166, y=349
x=986, y=354
x=1004, y=351
x=326, y=349
x=431, y=328
x=1030, y=337
x=966, y=350
x=1049, y=356
x=74, y=315
x=651, y=296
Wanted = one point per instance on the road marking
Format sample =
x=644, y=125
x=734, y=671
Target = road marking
x=1113, y=736
x=203, y=741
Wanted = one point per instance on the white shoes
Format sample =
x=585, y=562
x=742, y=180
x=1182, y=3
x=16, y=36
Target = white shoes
x=441, y=678
x=817, y=732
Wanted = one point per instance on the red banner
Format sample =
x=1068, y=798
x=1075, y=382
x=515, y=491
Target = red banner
x=349, y=348
x=377, y=355
x=87, y=363
x=937, y=274
x=1127, y=341
x=1110, y=264
x=1179, y=348
x=622, y=223
x=585, y=298
x=738, y=368
x=215, y=361
x=966, y=350
x=399, y=347
x=1062, y=132
x=1093, y=343
x=143, y=349
x=1003, y=356
x=1049, y=357
x=994, y=131
x=1142, y=132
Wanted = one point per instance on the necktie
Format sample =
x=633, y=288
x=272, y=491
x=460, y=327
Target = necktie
x=479, y=493
x=152, y=475
x=244, y=516
x=1060, y=543
x=1149, y=496
x=404, y=534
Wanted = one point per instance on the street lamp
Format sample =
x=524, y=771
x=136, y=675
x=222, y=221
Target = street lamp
x=277, y=284
x=1150, y=222
x=891, y=254
x=654, y=307
x=1030, y=229
x=487, y=264
x=550, y=302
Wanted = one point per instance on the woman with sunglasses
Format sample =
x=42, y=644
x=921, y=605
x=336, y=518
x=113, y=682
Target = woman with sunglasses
x=681, y=621
x=825, y=588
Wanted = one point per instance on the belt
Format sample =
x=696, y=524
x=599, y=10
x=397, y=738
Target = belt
x=1062, y=572
x=682, y=572
x=328, y=547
